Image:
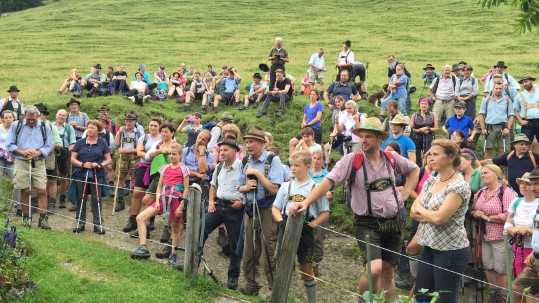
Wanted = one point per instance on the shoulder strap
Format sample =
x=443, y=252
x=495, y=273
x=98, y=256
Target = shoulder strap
x=267, y=167
x=501, y=191
x=436, y=82
x=454, y=79
x=509, y=155
x=44, y=132
x=532, y=157
x=244, y=162
x=517, y=202
x=218, y=168
x=421, y=173
x=390, y=158
x=18, y=130
x=506, y=77
x=524, y=104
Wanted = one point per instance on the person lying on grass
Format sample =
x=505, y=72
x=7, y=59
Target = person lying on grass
x=171, y=194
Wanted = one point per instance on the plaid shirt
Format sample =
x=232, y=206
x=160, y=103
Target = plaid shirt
x=490, y=205
x=81, y=119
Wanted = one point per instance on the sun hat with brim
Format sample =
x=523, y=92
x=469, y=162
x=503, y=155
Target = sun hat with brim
x=500, y=64
x=42, y=109
x=257, y=133
x=525, y=77
x=521, y=138
x=399, y=119
x=230, y=141
x=525, y=178
x=455, y=67
x=71, y=101
x=227, y=117
x=371, y=124
x=263, y=67
x=103, y=118
x=534, y=174
x=104, y=107
x=429, y=66
x=13, y=88
x=130, y=116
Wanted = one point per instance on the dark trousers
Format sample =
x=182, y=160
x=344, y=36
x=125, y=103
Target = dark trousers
x=436, y=279
x=225, y=214
x=404, y=265
x=531, y=130
x=119, y=85
x=281, y=97
x=273, y=77
x=422, y=144
x=90, y=190
x=470, y=107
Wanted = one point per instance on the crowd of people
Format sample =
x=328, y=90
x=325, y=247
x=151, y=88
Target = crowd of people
x=459, y=204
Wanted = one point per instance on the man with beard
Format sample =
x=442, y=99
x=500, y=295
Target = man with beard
x=378, y=208
x=496, y=120
x=429, y=75
x=527, y=108
x=342, y=87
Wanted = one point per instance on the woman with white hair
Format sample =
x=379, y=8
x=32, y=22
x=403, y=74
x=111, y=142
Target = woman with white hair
x=278, y=57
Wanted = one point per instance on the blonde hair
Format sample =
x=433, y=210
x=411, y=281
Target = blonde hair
x=269, y=135
x=450, y=148
x=177, y=147
x=498, y=171
x=320, y=153
x=231, y=128
x=303, y=156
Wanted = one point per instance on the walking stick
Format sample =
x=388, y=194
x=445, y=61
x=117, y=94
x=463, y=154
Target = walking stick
x=30, y=164
x=118, y=167
x=83, y=196
x=97, y=198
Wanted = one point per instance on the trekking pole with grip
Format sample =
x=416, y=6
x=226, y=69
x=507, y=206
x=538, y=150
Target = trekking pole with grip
x=118, y=167
x=83, y=196
x=30, y=164
x=97, y=194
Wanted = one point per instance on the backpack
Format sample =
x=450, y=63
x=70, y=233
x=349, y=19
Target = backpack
x=488, y=101
x=267, y=166
x=67, y=131
x=471, y=78
x=105, y=136
x=358, y=163
x=435, y=87
x=209, y=126
x=504, y=75
x=18, y=130
x=501, y=191
x=530, y=153
x=159, y=94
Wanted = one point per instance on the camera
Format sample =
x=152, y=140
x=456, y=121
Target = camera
x=252, y=177
x=191, y=119
x=340, y=139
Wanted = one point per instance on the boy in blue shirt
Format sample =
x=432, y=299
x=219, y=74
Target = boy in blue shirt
x=460, y=121
x=297, y=190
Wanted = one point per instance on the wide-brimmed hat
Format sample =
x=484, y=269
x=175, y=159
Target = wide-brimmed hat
x=399, y=119
x=534, y=174
x=372, y=124
x=230, y=141
x=98, y=66
x=130, y=116
x=263, y=67
x=500, y=64
x=455, y=67
x=103, y=118
x=460, y=104
x=525, y=77
x=463, y=62
x=42, y=109
x=257, y=75
x=71, y=101
x=227, y=117
x=429, y=66
x=525, y=178
x=257, y=133
x=104, y=107
x=521, y=138
x=13, y=88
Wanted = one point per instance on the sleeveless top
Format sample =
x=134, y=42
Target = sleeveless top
x=420, y=122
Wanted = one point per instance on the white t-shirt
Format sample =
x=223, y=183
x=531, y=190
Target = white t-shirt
x=3, y=137
x=524, y=215
x=138, y=85
x=349, y=123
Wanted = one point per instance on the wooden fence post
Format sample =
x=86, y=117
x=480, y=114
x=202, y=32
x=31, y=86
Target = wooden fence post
x=287, y=258
x=192, y=232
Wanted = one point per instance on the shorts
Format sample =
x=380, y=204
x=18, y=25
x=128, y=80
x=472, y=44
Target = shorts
x=317, y=135
x=63, y=161
x=227, y=98
x=315, y=75
x=494, y=256
x=173, y=207
x=139, y=177
x=198, y=96
x=152, y=188
x=127, y=165
x=387, y=233
x=21, y=178
x=529, y=278
x=306, y=245
x=50, y=166
x=495, y=136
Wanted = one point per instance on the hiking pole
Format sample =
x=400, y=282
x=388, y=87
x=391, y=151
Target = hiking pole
x=508, y=266
x=254, y=232
x=98, y=202
x=30, y=164
x=83, y=196
x=264, y=241
x=118, y=167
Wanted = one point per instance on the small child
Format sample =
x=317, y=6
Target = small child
x=171, y=193
x=297, y=190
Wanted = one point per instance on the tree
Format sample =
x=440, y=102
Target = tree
x=528, y=19
x=7, y=6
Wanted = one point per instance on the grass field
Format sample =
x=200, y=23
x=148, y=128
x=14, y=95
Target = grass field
x=40, y=46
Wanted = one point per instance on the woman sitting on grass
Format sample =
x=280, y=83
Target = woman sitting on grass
x=175, y=85
x=172, y=190
x=72, y=82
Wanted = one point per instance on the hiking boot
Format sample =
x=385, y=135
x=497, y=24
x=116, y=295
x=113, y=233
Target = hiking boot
x=151, y=224
x=255, y=105
x=173, y=260
x=243, y=107
x=90, y=93
x=98, y=229
x=260, y=115
x=77, y=94
x=18, y=213
x=26, y=221
x=135, y=234
x=222, y=237
x=405, y=281
x=62, y=201
x=214, y=110
x=466, y=277
x=51, y=209
x=79, y=228
x=203, y=110
x=43, y=223
x=165, y=253
x=120, y=206
x=165, y=237
x=249, y=292
x=232, y=283
x=141, y=252
x=185, y=107
x=316, y=270
x=72, y=208
x=131, y=224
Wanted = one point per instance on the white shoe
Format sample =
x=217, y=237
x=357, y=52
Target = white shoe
x=132, y=98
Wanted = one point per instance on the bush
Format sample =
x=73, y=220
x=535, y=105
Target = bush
x=7, y=6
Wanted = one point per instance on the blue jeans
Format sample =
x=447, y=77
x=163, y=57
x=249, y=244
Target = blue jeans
x=402, y=103
x=232, y=219
x=440, y=280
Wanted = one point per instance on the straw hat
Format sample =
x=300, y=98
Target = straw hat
x=373, y=124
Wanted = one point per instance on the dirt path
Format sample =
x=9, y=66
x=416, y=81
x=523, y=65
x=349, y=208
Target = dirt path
x=340, y=269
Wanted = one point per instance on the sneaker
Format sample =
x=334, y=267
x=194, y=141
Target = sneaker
x=51, y=209
x=79, y=228
x=214, y=110
x=232, y=283
x=260, y=115
x=43, y=223
x=135, y=234
x=404, y=281
x=141, y=252
x=243, y=107
x=132, y=98
x=203, y=110
x=173, y=260
x=98, y=229
x=165, y=253
x=249, y=292
x=255, y=105
x=26, y=221
x=185, y=108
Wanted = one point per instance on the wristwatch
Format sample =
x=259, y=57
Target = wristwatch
x=488, y=218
